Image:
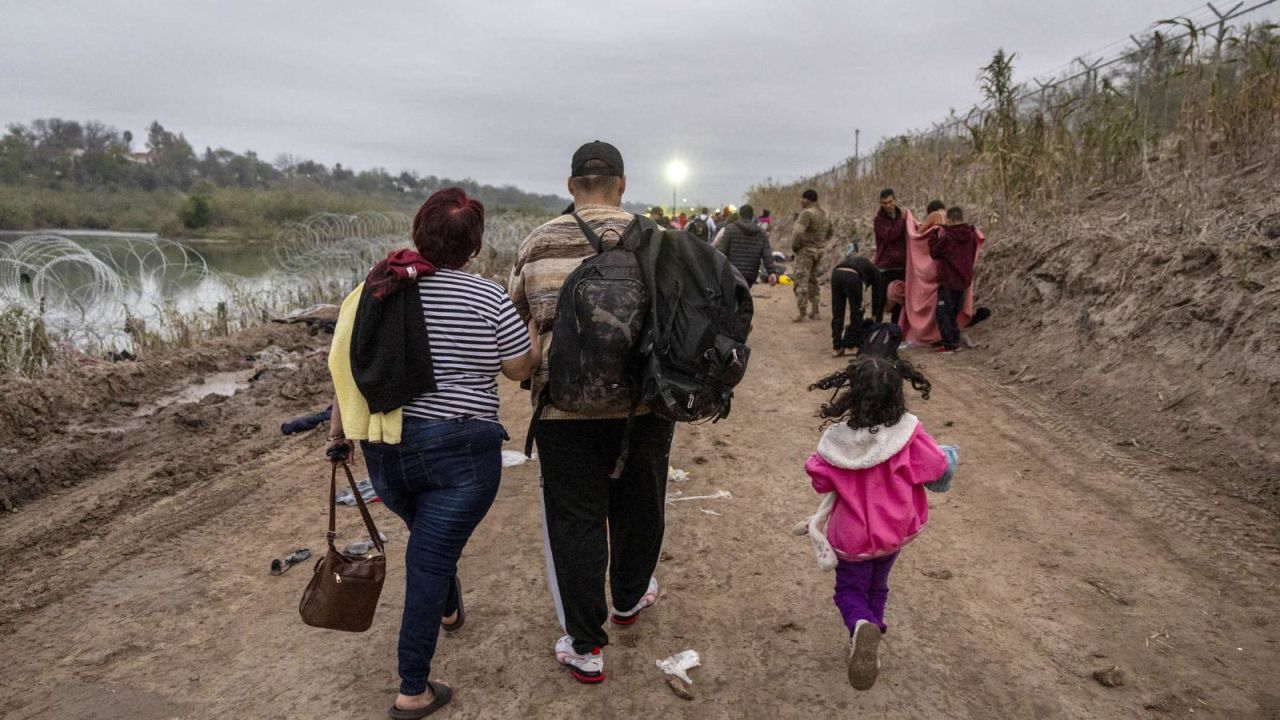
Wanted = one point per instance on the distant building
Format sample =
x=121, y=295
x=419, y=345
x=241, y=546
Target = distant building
x=141, y=158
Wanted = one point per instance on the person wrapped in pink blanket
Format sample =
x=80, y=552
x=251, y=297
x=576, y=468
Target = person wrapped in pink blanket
x=919, y=293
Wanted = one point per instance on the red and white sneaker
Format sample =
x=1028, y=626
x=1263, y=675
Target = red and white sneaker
x=584, y=668
x=650, y=597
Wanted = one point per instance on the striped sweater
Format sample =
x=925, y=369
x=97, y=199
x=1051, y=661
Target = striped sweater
x=546, y=258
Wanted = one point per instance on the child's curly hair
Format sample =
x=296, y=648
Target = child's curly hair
x=868, y=393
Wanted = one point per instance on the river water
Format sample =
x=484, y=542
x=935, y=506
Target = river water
x=89, y=286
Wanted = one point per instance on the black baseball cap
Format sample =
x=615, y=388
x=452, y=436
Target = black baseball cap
x=599, y=151
x=811, y=195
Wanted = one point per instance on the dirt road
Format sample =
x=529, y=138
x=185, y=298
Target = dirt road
x=1058, y=553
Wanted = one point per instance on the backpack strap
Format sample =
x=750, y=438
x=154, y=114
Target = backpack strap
x=544, y=399
x=625, y=451
x=592, y=237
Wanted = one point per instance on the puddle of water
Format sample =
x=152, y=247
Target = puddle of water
x=222, y=383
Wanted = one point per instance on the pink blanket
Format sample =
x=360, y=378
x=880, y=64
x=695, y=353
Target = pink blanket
x=919, y=311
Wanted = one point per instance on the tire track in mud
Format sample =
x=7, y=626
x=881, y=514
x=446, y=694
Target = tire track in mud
x=1232, y=530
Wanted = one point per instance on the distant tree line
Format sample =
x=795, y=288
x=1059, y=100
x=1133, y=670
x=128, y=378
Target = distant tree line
x=66, y=154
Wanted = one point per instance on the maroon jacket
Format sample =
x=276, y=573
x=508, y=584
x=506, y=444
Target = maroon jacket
x=955, y=248
x=891, y=240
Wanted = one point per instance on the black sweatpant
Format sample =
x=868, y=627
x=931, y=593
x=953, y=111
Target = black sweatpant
x=880, y=295
x=846, y=289
x=949, y=304
x=593, y=524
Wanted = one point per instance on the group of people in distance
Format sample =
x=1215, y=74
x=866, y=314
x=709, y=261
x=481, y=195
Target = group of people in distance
x=922, y=273
x=706, y=224
x=422, y=400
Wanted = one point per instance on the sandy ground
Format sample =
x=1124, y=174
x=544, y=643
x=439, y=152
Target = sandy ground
x=1058, y=553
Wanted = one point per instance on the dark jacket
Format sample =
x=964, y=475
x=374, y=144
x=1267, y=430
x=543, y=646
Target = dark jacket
x=866, y=269
x=891, y=240
x=955, y=248
x=390, y=354
x=747, y=246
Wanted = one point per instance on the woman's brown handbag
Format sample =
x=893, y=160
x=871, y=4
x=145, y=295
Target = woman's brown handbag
x=343, y=593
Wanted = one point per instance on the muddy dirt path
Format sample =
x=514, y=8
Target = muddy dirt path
x=1056, y=554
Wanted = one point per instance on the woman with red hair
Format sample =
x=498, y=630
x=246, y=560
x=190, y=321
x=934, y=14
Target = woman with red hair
x=415, y=359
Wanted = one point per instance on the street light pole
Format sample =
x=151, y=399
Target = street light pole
x=676, y=173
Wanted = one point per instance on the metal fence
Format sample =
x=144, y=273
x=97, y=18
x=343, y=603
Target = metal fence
x=1139, y=51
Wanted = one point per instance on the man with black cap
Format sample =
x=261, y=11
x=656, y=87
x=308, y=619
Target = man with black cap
x=658, y=215
x=809, y=238
x=591, y=522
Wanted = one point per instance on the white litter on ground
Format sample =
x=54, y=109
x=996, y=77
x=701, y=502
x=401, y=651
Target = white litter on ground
x=512, y=458
x=681, y=497
x=676, y=474
x=709, y=512
x=680, y=664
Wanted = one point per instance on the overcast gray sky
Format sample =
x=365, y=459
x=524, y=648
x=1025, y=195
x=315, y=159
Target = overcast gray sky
x=504, y=92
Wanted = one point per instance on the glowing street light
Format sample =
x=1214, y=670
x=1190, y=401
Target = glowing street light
x=676, y=173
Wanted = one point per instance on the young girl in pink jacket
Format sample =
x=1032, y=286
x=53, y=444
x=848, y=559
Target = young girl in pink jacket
x=875, y=461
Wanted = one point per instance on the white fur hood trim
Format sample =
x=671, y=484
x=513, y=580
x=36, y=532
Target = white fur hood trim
x=844, y=447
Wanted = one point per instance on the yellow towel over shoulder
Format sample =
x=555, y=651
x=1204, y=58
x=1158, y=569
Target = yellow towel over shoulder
x=357, y=422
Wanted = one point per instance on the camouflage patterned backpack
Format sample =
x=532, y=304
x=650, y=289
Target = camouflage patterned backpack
x=600, y=314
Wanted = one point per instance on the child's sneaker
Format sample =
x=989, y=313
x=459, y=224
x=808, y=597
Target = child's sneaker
x=584, y=668
x=864, y=664
x=944, y=350
x=650, y=597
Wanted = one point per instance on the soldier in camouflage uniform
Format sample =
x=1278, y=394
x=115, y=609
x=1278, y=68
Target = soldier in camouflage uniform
x=809, y=238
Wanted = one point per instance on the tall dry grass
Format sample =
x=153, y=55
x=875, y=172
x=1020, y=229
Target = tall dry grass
x=1191, y=107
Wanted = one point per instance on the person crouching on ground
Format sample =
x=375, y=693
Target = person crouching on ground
x=955, y=249
x=850, y=276
x=877, y=461
x=746, y=246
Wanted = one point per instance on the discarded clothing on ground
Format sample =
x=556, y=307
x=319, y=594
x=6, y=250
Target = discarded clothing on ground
x=303, y=423
x=367, y=493
x=362, y=547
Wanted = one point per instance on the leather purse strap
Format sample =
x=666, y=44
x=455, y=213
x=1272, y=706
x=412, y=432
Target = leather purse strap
x=364, y=511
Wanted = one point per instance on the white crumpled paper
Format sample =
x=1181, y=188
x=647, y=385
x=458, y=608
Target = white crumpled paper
x=680, y=664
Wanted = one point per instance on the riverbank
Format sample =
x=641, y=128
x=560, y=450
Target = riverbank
x=239, y=214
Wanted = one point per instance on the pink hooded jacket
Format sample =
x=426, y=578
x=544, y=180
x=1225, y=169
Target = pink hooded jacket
x=878, y=479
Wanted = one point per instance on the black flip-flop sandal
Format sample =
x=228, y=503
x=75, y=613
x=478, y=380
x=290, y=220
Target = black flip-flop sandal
x=442, y=693
x=456, y=625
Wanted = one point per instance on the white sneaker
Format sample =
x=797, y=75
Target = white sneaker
x=585, y=668
x=864, y=664
x=650, y=597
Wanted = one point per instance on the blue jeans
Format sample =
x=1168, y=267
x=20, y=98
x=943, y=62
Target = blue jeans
x=441, y=480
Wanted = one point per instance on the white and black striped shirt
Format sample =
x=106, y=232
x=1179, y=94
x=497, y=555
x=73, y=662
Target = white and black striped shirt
x=472, y=327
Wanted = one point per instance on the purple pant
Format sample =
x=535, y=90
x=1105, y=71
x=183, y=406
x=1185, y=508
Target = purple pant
x=862, y=589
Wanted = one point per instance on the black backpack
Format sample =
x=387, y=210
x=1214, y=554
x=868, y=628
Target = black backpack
x=694, y=352
x=698, y=228
x=600, y=314
x=882, y=341
x=691, y=321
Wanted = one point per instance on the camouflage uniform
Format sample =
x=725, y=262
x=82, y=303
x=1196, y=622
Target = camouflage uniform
x=809, y=239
